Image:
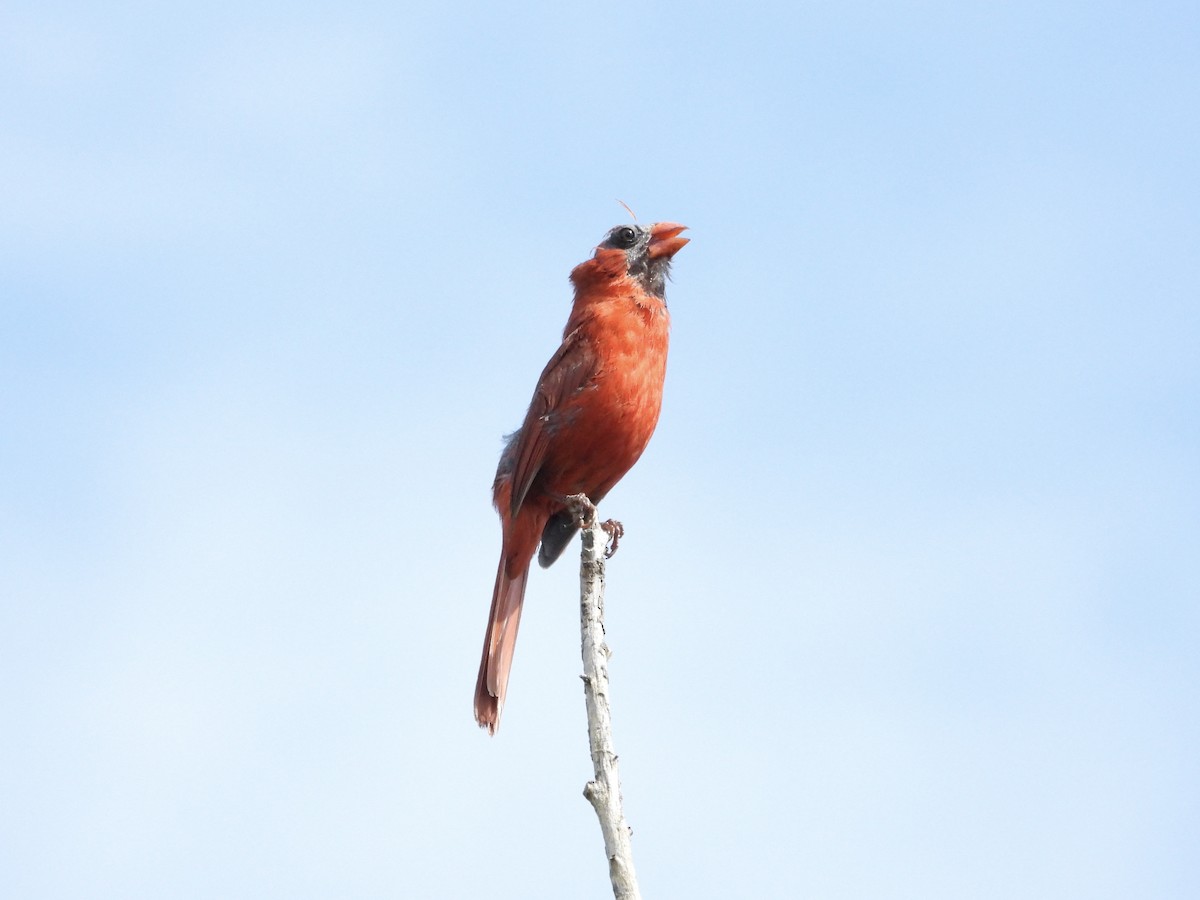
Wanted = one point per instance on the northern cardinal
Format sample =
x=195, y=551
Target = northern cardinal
x=592, y=415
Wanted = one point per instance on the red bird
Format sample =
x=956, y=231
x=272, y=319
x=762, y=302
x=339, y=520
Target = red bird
x=591, y=417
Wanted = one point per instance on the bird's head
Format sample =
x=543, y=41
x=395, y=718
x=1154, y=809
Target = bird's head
x=640, y=252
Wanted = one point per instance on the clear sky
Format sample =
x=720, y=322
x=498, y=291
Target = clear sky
x=909, y=602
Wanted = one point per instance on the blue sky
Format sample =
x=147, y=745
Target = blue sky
x=910, y=597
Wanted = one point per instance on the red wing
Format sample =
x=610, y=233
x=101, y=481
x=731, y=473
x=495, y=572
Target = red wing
x=569, y=370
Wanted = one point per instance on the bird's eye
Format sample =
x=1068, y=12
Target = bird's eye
x=624, y=237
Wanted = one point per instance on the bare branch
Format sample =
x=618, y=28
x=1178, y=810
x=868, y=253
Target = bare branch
x=604, y=791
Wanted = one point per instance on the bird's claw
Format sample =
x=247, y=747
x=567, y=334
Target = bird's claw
x=615, y=531
x=583, y=508
x=585, y=516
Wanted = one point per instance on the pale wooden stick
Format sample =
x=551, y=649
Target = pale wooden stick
x=604, y=791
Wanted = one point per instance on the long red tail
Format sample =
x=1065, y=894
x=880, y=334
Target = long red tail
x=498, y=643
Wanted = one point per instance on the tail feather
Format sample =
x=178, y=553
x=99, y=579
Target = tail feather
x=498, y=644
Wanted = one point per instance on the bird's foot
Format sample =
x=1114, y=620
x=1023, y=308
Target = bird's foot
x=584, y=511
x=583, y=508
x=615, y=531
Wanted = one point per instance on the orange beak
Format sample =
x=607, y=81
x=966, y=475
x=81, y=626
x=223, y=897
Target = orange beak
x=665, y=240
